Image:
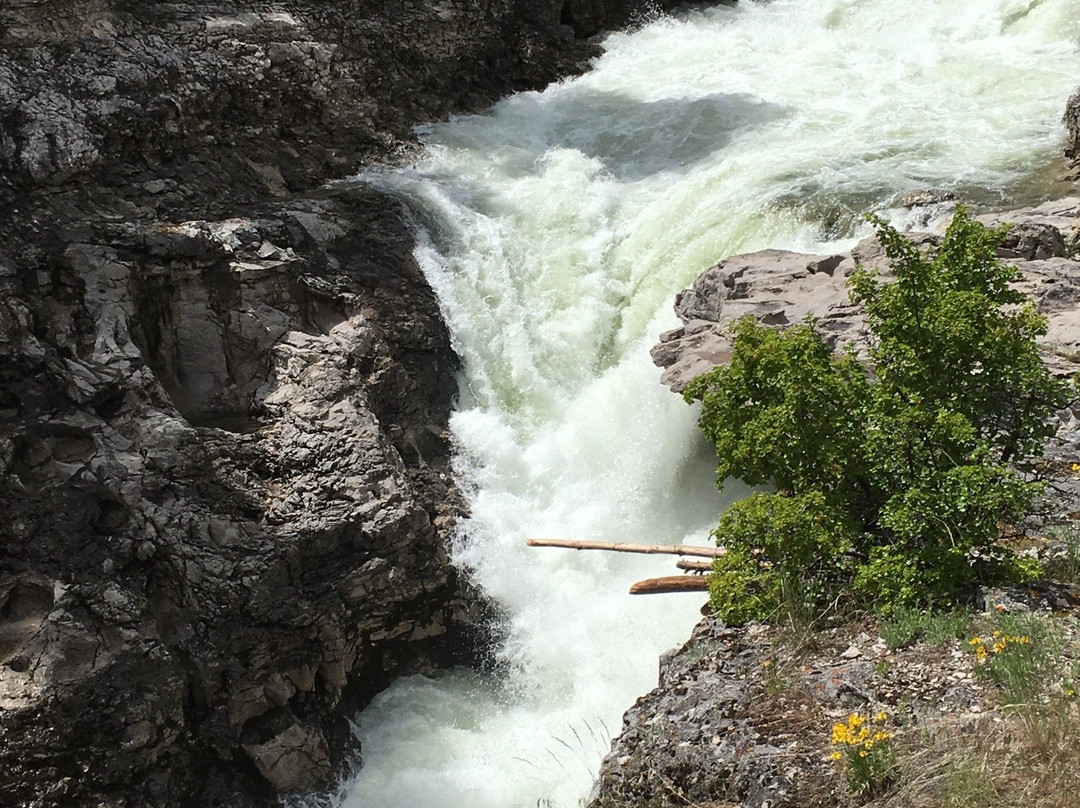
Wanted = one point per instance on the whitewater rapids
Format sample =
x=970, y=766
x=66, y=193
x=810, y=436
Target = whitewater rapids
x=556, y=229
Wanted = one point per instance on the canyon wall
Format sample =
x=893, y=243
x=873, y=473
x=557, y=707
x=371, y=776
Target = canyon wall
x=224, y=384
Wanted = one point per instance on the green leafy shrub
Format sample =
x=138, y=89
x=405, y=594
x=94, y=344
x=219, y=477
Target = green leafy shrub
x=891, y=481
x=781, y=553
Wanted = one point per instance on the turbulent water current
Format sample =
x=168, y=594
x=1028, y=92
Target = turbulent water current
x=556, y=229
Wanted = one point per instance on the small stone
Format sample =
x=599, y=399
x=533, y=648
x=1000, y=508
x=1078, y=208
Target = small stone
x=268, y=250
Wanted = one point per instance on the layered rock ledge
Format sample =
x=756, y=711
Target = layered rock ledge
x=743, y=716
x=779, y=287
x=224, y=391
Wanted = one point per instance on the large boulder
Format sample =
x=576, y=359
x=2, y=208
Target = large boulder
x=779, y=287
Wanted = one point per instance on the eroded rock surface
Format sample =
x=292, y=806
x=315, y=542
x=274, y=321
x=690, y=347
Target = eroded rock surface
x=160, y=96
x=1071, y=119
x=744, y=716
x=226, y=496
x=779, y=287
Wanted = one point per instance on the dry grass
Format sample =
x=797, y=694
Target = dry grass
x=1028, y=758
x=1024, y=750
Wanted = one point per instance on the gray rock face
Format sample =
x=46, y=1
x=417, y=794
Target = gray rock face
x=708, y=734
x=298, y=89
x=779, y=287
x=226, y=500
x=743, y=717
x=1071, y=119
x=223, y=392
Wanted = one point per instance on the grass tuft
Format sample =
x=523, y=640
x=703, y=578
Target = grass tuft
x=905, y=626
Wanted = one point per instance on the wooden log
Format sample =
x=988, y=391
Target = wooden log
x=694, y=566
x=671, y=583
x=620, y=547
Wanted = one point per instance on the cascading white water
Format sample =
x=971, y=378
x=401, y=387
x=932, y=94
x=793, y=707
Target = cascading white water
x=556, y=229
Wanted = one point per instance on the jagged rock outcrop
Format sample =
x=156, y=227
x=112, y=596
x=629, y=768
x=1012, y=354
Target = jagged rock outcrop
x=280, y=94
x=223, y=391
x=744, y=716
x=780, y=287
x=226, y=496
x=1071, y=119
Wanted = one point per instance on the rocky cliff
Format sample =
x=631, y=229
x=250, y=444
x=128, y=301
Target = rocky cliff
x=742, y=717
x=223, y=387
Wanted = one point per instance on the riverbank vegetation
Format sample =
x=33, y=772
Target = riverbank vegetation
x=894, y=475
x=1020, y=747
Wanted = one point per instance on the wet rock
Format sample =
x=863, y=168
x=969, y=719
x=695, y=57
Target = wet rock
x=926, y=198
x=295, y=759
x=1071, y=119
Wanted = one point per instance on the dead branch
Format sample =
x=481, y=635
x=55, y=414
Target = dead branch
x=670, y=583
x=619, y=547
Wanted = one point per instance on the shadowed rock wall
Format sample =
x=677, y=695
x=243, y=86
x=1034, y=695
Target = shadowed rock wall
x=223, y=391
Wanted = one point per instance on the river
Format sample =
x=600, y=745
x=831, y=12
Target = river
x=556, y=229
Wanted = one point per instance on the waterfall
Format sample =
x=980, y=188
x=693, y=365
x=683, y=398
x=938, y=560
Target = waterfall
x=556, y=228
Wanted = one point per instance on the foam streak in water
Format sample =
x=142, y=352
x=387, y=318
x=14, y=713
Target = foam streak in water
x=556, y=229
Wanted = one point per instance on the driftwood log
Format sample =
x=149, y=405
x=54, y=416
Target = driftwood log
x=620, y=547
x=694, y=566
x=671, y=583
x=651, y=586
